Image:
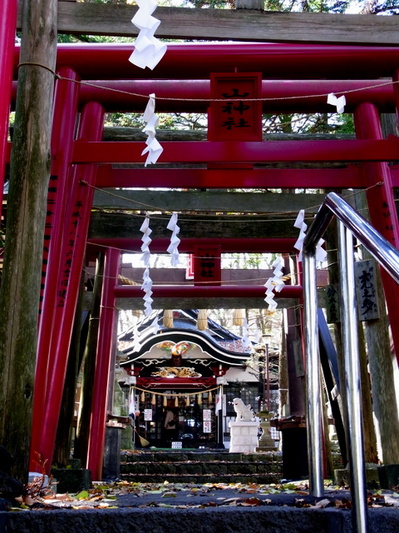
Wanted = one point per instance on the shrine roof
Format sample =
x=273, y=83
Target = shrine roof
x=217, y=341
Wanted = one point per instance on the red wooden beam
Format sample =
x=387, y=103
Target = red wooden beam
x=65, y=109
x=395, y=176
x=188, y=245
x=225, y=152
x=104, y=360
x=74, y=236
x=8, y=21
x=178, y=95
x=195, y=178
x=381, y=202
x=206, y=291
x=197, y=61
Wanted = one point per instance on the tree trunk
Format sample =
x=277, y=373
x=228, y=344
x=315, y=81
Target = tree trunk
x=26, y=210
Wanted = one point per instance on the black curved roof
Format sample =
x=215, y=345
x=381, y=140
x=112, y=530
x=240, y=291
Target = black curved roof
x=209, y=341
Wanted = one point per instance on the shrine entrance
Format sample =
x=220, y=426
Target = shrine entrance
x=267, y=79
x=178, y=379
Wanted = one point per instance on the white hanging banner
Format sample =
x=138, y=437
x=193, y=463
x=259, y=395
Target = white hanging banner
x=147, y=415
x=219, y=401
x=132, y=400
x=148, y=50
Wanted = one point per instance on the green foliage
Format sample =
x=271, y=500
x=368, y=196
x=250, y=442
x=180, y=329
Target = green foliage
x=311, y=6
x=386, y=7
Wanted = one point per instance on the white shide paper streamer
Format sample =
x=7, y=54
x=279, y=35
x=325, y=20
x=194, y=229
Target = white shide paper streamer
x=246, y=343
x=148, y=50
x=337, y=101
x=147, y=281
x=321, y=254
x=269, y=298
x=147, y=288
x=146, y=240
x=302, y=226
x=275, y=283
x=174, y=240
x=155, y=326
x=299, y=223
x=153, y=149
x=136, y=339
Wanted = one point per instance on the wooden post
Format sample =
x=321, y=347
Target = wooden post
x=26, y=211
x=381, y=362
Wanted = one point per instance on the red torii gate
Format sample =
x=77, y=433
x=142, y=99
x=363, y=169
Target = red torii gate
x=78, y=157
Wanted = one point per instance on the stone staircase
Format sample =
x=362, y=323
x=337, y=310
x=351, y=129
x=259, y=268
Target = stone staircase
x=200, y=467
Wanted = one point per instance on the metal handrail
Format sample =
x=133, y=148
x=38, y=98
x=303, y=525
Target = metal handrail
x=351, y=223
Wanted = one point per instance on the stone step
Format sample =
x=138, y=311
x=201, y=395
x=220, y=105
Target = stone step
x=203, y=478
x=201, y=467
x=197, y=467
x=180, y=456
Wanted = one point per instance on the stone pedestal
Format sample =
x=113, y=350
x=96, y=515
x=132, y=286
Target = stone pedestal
x=112, y=453
x=266, y=443
x=243, y=436
x=342, y=477
x=388, y=476
x=71, y=480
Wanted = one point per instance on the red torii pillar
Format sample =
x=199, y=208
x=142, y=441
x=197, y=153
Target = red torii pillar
x=104, y=359
x=382, y=207
x=73, y=253
x=8, y=22
x=64, y=123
